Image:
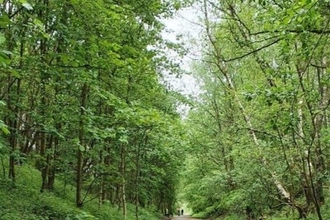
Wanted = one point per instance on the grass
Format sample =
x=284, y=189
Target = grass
x=23, y=200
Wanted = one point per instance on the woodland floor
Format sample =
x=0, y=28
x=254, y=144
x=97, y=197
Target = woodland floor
x=183, y=217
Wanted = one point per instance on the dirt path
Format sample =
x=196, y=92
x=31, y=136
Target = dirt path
x=184, y=217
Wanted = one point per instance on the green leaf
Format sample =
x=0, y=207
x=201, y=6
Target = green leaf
x=4, y=59
x=4, y=128
x=177, y=5
x=7, y=52
x=27, y=6
x=123, y=139
x=38, y=22
x=2, y=38
x=4, y=20
x=81, y=148
x=15, y=73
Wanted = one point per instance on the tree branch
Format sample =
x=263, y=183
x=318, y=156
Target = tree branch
x=253, y=51
x=312, y=31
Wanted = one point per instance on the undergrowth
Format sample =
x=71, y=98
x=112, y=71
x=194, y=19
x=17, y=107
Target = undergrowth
x=23, y=200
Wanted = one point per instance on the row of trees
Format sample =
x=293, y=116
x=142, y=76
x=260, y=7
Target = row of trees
x=260, y=129
x=81, y=98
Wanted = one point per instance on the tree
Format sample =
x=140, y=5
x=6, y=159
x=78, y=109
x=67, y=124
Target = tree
x=262, y=57
x=84, y=100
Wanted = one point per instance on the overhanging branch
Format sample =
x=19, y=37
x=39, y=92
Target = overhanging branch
x=312, y=31
x=253, y=51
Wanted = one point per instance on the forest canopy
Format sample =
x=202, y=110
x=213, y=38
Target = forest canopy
x=82, y=102
x=259, y=131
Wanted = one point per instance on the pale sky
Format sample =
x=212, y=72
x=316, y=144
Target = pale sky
x=185, y=23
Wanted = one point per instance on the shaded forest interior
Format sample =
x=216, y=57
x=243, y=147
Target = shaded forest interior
x=90, y=127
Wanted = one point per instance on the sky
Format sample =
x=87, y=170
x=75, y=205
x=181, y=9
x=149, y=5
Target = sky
x=184, y=24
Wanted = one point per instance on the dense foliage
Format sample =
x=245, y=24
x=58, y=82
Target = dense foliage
x=81, y=99
x=259, y=132
x=87, y=119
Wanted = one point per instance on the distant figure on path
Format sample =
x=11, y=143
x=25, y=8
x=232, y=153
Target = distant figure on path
x=178, y=212
x=181, y=211
x=167, y=213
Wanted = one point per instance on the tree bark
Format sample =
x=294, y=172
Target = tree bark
x=123, y=180
x=81, y=147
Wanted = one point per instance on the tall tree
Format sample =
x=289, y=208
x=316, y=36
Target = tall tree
x=269, y=59
x=83, y=95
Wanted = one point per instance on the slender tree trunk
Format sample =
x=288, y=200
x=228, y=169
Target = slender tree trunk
x=223, y=72
x=42, y=137
x=137, y=182
x=319, y=157
x=12, y=143
x=81, y=147
x=11, y=102
x=79, y=172
x=317, y=123
x=43, y=16
x=44, y=167
x=101, y=184
x=52, y=168
x=108, y=192
x=123, y=181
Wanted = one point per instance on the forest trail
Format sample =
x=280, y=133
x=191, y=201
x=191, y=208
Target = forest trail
x=183, y=217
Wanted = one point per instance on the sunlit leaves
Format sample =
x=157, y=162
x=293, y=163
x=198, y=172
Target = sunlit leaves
x=4, y=128
x=4, y=20
x=81, y=82
x=277, y=88
x=4, y=54
x=26, y=4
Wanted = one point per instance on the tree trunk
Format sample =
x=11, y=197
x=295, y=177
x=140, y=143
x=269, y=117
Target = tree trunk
x=13, y=125
x=11, y=102
x=101, y=184
x=44, y=161
x=81, y=147
x=223, y=72
x=123, y=181
x=137, y=182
